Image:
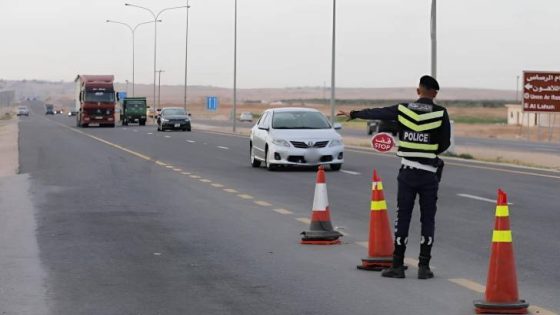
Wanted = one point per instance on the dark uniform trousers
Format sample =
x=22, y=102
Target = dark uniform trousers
x=425, y=184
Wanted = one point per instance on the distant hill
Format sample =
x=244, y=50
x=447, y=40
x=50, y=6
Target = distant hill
x=63, y=92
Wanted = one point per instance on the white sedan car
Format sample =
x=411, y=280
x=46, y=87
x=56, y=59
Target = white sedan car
x=295, y=136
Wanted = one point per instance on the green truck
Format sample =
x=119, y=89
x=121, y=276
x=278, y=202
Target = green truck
x=134, y=111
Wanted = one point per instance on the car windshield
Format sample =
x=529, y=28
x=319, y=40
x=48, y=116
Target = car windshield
x=299, y=120
x=100, y=96
x=173, y=111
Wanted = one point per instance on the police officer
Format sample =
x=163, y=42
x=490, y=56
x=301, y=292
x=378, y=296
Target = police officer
x=424, y=133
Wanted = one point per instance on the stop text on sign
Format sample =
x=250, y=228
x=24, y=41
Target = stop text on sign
x=382, y=142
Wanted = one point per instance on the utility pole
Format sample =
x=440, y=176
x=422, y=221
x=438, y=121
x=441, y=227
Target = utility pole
x=333, y=102
x=159, y=88
x=235, y=69
x=433, y=34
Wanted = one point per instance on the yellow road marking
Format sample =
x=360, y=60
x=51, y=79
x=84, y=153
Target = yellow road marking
x=205, y=180
x=282, y=211
x=469, y=284
x=217, y=185
x=230, y=190
x=363, y=244
x=263, y=203
x=245, y=196
x=304, y=220
x=194, y=176
x=534, y=309
x=185, y=173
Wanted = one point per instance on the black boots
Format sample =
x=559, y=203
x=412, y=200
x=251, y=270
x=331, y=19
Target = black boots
x=396, y=270
x=424, y=271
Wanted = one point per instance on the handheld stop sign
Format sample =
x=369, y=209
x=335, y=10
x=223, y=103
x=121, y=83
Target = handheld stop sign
x=382, y=142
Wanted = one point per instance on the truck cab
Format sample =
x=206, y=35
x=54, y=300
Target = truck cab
x=134, y=111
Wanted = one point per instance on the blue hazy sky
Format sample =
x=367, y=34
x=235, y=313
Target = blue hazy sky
x=281, y=43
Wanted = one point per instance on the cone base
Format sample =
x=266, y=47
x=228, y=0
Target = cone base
x=375, y=263
x=484, y=307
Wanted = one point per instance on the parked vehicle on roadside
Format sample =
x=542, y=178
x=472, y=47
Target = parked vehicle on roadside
x=295, y=137
x=22, y=111
x=173, y=118
x=246, y=116
x=134, y=111
x=377, y=126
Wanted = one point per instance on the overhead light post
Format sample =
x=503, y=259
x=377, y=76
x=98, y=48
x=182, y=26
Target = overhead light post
x=433, y=35
x=132, y=31
x=235, y=68
x=155, y=16
x=333, y=102
x=186, y=54
x=159, y=87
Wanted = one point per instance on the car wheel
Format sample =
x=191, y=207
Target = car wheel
x=269, y=166
x=336, y=167
x=254, y=161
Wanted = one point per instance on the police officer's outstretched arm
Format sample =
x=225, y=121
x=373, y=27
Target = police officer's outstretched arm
x=383, y=113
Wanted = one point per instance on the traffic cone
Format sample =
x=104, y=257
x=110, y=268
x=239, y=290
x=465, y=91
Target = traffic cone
x=321, y=231
x=380, y=246
x=501, y=296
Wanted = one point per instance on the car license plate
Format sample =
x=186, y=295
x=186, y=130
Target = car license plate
x=177, y=125
x=98, y=117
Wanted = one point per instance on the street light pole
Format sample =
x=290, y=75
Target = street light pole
x=133, y=32
x=186, y=54
x=333, y=104
x=159, y=87
x=235, y=68
x=433, y=33
x=155, y=16
x=517, y=91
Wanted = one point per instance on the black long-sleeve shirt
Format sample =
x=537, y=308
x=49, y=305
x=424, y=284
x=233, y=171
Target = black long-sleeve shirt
x=392, y=112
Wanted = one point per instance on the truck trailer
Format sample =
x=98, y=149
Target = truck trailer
x=95, y=100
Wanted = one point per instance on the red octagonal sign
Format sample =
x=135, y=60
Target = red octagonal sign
x=382, y=142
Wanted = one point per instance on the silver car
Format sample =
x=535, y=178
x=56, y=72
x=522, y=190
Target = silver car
x=295, y=136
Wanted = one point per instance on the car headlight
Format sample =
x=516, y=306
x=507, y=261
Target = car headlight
x=336, y=143
x=281, y=142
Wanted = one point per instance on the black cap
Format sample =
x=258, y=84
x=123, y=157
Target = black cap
x=429, y=83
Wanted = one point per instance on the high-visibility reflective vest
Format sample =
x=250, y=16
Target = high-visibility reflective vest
x=420, y=127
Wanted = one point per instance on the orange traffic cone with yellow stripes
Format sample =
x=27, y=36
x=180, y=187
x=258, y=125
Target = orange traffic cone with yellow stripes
x=380, y=245
x=321, y=231
x=501, y=296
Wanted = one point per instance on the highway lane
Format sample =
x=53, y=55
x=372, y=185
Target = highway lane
x=490, y=143
x=464, y=224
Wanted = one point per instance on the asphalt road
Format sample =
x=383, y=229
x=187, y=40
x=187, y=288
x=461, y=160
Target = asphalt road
x=134, y=221
x=490, y=143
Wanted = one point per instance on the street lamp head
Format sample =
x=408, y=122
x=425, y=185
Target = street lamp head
x=127, y=4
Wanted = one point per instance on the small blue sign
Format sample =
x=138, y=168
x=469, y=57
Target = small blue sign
x=121, y=96
x=212, y=103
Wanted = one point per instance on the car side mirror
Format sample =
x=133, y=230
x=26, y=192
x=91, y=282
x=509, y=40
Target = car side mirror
x=264, y=128
x=337, y=126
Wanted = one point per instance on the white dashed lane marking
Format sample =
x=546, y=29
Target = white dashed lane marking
x=282, y=211
x=190, y=141
x=479, y=198
x=351, y=172
x=223, y=148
